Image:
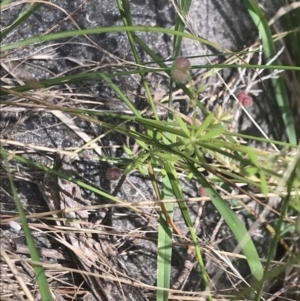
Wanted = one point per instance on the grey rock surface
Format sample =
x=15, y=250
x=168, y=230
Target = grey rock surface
x=224, y=22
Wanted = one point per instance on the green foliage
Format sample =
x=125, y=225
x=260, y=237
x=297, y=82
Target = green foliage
x=39, y=271
x=270, y=51
x=179, y=143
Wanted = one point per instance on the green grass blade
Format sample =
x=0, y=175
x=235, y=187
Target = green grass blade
x=39, y=271
x=98, y=75
x=124, y=8
x=274, y=244
x=235, y=225
x=164, y=246
x=270, y=51
x=176, y=188
x=179, y=25
x=61, y=175
x=166, y=240
x=263, y=180
x=121, y=95
x=4, y=3
x=31, y=9
x=164, y=254
x=97, y=30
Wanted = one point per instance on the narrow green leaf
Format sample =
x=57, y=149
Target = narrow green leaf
x=125, y=12
x=143, y=144
x=235, y=225
x=297, y=224
x=263, y=180
x=206, y=123
x=164, y=254
x=4, y=3
x=121, y=95
x=97, y=30
x=61, y=175
x=270, y=51
x=39, y=271
x=127, y=150
x=176, y=188
x=184, y=6
x=31, y=9
x=212, y=133
x=182, y=124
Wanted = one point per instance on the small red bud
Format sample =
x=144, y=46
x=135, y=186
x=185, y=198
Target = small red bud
x=113, y=174
x=245, y=99
x=180, y=76
x=182, y=64
x=202, y=191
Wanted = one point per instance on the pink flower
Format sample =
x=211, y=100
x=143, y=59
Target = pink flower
x=245, y=99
